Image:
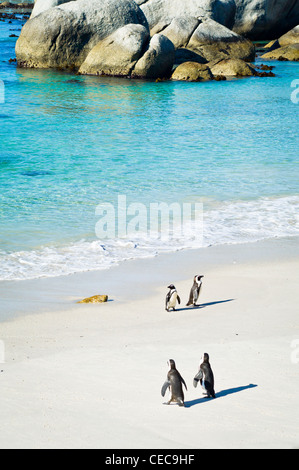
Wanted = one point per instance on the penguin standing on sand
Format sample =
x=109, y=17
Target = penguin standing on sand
x=171, y=298
x=175, y=383
x=205, y=377
x=195, y=290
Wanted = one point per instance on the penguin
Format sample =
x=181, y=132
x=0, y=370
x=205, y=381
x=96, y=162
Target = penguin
x=205, y=377
x=195, y=290
x=171, y=298
x=175, y=384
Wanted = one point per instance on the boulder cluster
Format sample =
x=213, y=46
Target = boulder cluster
x=22, y=6
x=284, y=48
x=183, y=39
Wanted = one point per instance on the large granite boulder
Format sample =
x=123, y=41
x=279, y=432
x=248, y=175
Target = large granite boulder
x=117, y=54
x=199, y=26
x=130, y=52
x=157, y=61
x=62, y=36
x=214, y=41
x=290, y=52
x=43, y=5
x=160, y=13
x=203, y=40
x=232, y=68
x=180, y=30
x=291, y=37
x=265, y=19
x=255, y=19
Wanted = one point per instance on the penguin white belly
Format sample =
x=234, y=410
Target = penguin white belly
x=172, y=300
x=196, y=292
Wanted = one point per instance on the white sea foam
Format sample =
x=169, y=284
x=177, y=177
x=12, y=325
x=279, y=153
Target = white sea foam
x=229, y=222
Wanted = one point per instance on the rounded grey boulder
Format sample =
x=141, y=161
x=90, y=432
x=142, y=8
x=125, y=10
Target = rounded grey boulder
x=158, y=59
x=62, y=36
x=117, y=54
x=265, y=19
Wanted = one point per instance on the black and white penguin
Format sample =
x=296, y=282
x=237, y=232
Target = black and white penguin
x=171, y=298
x=206, y=377
x=174, y=383
x=195, y=290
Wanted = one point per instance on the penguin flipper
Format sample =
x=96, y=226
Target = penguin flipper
x=165, y=386
x=197, y=378
x=183, y=382
x=198, y=290
x=190, y=301
x=167, y=300
x=179, y=300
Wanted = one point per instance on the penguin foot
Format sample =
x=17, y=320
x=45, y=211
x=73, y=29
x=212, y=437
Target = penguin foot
x=180, y=402
x=207, y=395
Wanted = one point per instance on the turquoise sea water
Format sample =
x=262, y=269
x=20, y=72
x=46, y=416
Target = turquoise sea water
x=69, y=143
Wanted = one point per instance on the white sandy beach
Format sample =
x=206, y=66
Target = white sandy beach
x=89, y=376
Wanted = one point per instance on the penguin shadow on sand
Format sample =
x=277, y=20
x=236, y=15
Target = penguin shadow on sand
x=205, y=378
x=172, y=297
x=207, y=304
x=220, y=394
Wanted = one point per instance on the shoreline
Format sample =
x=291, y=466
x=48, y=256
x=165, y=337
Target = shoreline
x=119, y=282
x=89, y=376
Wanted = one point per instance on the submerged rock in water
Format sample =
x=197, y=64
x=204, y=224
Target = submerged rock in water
x=95, y=299
x=232, y=68
x=193, y=72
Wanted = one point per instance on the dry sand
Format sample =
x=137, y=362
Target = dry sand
x=89, y=376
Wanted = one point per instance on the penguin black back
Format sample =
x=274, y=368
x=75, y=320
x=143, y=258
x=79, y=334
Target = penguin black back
x=205, y=376
x=175, y=382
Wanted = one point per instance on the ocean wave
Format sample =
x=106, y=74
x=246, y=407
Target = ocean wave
x=228, y=223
